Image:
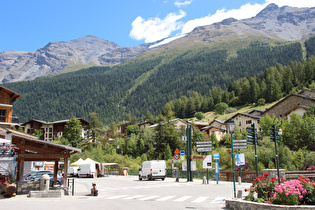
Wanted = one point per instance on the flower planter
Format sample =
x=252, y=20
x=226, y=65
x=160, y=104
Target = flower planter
x=242, y=204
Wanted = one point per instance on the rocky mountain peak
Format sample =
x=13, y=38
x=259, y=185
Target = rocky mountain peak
x=267, y=10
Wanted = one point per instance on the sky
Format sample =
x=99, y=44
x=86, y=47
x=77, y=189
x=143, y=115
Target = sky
x=32, y=24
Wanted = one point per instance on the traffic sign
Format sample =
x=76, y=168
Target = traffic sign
x=176, y=156
x=182, y=153
x=184, y=138
x=204, y=149
x=216, y=156
x=240, y=147
x=176, y=151
x=203, y=143
x=207, y=161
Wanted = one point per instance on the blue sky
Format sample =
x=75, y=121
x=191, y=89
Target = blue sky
x=30, y=25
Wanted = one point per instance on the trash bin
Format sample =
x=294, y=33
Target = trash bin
x=44, y=182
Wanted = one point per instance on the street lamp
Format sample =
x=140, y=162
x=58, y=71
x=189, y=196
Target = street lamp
x=122, y=165
x=230, y=128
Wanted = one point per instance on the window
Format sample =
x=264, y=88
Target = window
x=248, y=122
x=240, y=123
x=2, y=115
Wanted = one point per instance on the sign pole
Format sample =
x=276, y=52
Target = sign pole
x=207, y=173
x=233, y=162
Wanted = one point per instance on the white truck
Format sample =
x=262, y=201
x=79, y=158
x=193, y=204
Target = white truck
x=153, y=169
x=87, y=170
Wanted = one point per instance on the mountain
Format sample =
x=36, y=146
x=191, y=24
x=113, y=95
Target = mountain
x=210, y=56
x=58, y=57
x=272, y=23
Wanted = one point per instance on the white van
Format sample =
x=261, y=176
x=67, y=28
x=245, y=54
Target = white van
x=73, y=171
x=87, y=170
x=153, y=169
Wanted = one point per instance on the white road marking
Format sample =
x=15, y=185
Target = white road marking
x=218, y=200
x=165, y=198
x=134, y=197
x=148, y=198
x=182, y=198
x=117, y=196
x=200, y=199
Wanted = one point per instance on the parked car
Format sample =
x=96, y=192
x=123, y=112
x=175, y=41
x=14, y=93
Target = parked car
x=153, y=169
x=36, y=175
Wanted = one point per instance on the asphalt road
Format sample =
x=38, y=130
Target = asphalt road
x=118, y=192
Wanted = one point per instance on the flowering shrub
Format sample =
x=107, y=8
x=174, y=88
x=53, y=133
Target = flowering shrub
x=265, y=188
x=289, y=193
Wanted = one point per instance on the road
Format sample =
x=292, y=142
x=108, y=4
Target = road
x=118, y=192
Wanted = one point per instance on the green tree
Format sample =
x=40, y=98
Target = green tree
x=94, y=128
x=199, y=115
x=220, y=108
x=73, y=132
x=215, y=142
x=38, y=132
x=132, y=129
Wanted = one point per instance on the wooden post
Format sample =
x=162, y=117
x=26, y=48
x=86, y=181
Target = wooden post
x=65, y=172
x=56, y=167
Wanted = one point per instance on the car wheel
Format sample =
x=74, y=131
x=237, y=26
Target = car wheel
x=140, y=178
x=163, y=179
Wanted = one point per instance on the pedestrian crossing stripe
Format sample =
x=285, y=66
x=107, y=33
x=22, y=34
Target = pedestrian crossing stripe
x=161, y=198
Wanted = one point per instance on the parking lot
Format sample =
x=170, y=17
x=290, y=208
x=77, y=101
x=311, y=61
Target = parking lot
x=119, y=192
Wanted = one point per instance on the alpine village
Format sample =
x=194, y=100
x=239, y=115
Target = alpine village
x=236, y=88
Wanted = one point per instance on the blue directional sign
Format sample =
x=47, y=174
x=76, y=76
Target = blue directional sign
x=182, y=153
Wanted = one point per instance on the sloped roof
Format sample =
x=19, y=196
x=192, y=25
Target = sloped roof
x=14, y=95
x=38, y=150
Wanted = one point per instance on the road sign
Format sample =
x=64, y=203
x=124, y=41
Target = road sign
x=176, y=156
x=203, y=143
x=207, y=162
x=204, y=149
x=239, y=141
x=274, y=134
x=182, y=153
x=176, y=151
x=216, y=156
x=240, y=147
x=184, y=138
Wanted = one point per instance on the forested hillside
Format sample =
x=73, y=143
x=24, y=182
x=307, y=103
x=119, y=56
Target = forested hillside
x=147, y=83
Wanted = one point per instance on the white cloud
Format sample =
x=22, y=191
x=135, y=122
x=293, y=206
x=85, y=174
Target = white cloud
x=180, y=3
x=155, y=29
x=245, y=11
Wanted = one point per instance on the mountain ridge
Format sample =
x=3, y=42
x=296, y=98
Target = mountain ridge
x=273, y=24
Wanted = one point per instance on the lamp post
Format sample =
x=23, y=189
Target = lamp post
x=230, y=128
x=122, y=165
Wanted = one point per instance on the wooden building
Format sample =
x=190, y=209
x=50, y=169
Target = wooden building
x=7, y=99
x=51, y=130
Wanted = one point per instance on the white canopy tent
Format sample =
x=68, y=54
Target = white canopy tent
x=77, y=163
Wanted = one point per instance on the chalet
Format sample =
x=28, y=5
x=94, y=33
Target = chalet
x=179, y=124
x=51, y=130
x=218, y=127
x=299, y=110
x=7, y=99
x=243, y=120
x=144, y=124
x=256, y=112
x=306, y=97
